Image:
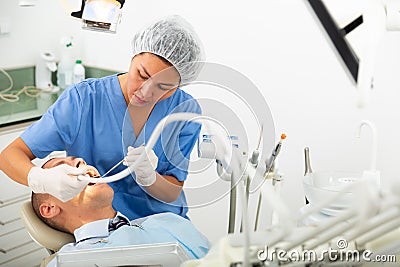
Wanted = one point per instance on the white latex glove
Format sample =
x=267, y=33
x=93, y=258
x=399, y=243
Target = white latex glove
x=58, y=181
x=144, y=170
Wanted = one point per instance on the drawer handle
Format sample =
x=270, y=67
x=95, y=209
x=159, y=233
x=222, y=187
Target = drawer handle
x=5, y=251
x=22, y=255
x=12, y=231
x=10, y=221
x=13, y=200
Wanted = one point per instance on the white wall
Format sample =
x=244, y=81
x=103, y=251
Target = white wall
x=34, y=30
x=279, y=46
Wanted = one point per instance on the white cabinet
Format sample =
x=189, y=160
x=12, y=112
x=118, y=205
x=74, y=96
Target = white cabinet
x=16, y=246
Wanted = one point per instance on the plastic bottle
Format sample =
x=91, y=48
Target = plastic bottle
x=65, y=67
x=79, y=71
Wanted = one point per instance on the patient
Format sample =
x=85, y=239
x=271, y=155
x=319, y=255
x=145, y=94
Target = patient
x=92, y=219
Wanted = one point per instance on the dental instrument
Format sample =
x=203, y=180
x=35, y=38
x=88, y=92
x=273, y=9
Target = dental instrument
x=308, y=170
x=256, y=152
x=113, y=168
x=270, y=164
x=254, y=161
x=275, y=153
x=271, y=161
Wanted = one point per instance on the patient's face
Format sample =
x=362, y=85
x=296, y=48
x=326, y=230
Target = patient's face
x=95, y=195
x=71, y=161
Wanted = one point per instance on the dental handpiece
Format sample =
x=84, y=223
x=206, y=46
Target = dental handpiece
x=256, y=153
x=275, y=152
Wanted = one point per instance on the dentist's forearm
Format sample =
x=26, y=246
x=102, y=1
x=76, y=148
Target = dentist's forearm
x=165, y=188
x=15, y=161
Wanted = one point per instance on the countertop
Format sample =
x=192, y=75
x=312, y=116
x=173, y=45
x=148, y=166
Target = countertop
x=28, y=108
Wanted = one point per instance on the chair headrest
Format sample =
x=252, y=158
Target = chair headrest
x=40, y=232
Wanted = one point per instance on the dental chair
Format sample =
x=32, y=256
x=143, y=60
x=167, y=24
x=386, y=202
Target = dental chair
x=43, y=234
x=164, y=254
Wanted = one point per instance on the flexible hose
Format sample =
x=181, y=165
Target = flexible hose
x=150, y=144
x=30, y=91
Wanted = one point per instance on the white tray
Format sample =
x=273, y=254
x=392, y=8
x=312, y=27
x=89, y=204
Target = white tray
x=164, y=254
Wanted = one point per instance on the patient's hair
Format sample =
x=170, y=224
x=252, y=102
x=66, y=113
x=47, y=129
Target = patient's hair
x=37, y=200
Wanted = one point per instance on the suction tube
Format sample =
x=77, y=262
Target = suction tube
x=182, y=116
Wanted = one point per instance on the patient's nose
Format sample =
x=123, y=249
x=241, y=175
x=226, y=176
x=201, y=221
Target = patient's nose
x=79, y=162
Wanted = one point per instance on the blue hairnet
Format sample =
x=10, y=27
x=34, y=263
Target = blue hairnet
x=174, y=39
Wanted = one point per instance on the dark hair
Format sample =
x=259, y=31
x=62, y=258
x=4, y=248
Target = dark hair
x=37, y=200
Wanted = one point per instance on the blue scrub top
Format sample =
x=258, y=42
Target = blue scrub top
x=90, y=120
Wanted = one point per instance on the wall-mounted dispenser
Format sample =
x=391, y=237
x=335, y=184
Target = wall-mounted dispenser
x=44, y=67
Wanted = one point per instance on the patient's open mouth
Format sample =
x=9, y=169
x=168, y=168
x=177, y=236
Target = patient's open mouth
x=92, y=173
x=97, y=176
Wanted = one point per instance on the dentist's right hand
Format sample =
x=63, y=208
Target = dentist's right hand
x=60, y=181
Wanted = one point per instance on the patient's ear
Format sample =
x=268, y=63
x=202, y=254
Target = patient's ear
x=49, y=209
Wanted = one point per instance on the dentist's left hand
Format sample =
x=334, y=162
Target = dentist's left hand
x=59, y=181
x=145, y=169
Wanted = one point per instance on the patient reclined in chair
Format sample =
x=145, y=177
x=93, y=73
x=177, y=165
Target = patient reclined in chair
x=96, y=225
x=157, y=254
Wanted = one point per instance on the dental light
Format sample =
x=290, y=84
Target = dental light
x=377, y=16
x=100, y=15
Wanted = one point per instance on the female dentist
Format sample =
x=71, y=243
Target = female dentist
x=98, y=119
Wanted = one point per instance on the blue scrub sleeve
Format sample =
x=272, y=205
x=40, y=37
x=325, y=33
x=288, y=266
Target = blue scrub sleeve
x=58, y=127
x=187, y=139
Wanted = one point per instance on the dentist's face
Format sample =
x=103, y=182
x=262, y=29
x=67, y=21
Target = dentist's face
x=150, y=79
